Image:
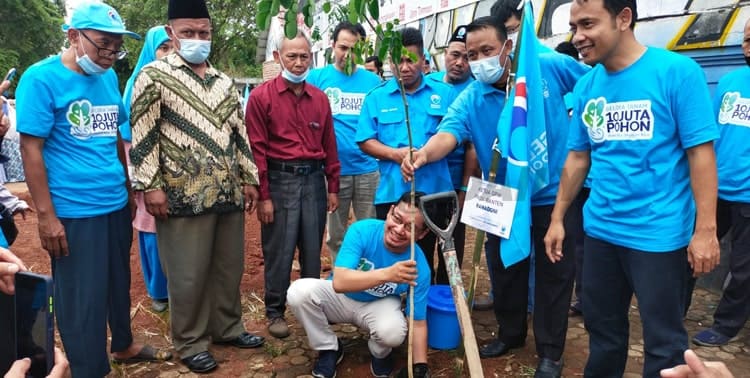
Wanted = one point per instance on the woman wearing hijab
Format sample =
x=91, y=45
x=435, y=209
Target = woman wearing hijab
x=157, y=45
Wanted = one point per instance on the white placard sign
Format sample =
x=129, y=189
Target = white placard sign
x=489, y=207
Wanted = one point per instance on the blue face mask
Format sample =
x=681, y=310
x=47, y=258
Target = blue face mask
x=488, y=70
x=87, y=65
x=195, y=51
x=292, y=78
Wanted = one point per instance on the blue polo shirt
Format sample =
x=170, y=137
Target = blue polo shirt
x=560, y=73
x=732, y=106
x=382, y=118
x=346, y=95
x=457, y=156
x=78, y=116
x=637, y=123
x=472, y=117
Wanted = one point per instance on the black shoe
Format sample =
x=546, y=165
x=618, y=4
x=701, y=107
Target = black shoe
x=200, y=363
x=325, y=365
x=381, y=367
x=497, y=348
x=548, y=368
x=244, y=340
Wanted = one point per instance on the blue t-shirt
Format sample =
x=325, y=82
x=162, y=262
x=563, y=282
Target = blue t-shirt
x=457, y=156
x=560, y=73
x=346, y=95
x=77, y=115
x=383, y=119
x=732, y=105
x=637, y=123
x=363, y=249
x=471, y=118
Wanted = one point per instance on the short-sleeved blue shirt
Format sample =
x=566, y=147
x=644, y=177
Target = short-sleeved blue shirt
x=473, y=117
x=637, y=123
x=363, y=249
x=560, y=73
x=732, y=106
x=78, y=116
x=346, y=95
x=457, y=156
x=383, y=119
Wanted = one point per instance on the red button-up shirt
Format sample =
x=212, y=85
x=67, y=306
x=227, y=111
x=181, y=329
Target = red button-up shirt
x=284, y=126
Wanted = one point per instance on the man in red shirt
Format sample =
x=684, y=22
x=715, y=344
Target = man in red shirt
x=290, y=127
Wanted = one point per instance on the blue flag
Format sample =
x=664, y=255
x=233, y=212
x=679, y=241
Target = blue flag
x=522, y=136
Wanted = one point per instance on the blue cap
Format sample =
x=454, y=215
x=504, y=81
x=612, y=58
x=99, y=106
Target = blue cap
x=100, y=17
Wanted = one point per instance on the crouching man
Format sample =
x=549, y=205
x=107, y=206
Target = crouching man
x=372, y=270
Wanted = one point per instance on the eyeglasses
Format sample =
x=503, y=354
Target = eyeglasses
x=104, y=52
x=399, y=220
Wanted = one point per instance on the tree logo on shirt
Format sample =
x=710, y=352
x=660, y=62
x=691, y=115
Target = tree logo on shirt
x=727, y=104
x=593, y=118
x=735, y=110
x=88, y=121
x=365, y=265
x=334, y=98
x=79, y=116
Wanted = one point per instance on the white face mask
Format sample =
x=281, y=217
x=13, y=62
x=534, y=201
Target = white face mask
x=488, y=70
x=195, y=51
x=87, y=64
x=513, y=37
x=292, y=78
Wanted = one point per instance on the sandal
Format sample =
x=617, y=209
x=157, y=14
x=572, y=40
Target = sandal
x=147, y=354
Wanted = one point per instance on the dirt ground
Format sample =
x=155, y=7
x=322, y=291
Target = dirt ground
x=278, y=358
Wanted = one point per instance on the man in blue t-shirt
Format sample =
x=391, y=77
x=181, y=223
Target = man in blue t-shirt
x=69, y=110
x=382, y=132
x=731, y=103
x=651, y=215
x=346, y=92
x=371, y=272
x=466, y=118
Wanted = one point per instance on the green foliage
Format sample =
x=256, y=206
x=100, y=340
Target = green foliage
x=235, y=35
x=29, y=32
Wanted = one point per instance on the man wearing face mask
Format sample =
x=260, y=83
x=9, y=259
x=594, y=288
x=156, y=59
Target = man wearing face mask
x=192, y=161
x=69, y=110
x=290, y=126
x=486, y=37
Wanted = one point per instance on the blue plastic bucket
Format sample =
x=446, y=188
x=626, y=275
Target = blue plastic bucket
x=443, y=331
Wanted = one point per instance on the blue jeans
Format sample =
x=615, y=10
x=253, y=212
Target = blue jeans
x=659, y=281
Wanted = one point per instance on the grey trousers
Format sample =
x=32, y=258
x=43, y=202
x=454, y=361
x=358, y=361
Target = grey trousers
x=356, y=192
x=299, y=221
x=203, y=259
x=317, y=306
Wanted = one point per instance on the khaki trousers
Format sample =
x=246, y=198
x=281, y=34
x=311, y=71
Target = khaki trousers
x=203, y=259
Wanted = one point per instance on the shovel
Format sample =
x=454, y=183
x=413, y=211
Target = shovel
x=454, y=272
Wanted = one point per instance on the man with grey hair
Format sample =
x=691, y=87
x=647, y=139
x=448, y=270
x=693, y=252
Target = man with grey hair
x=192, y=161
x=290, y=126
